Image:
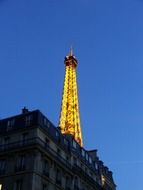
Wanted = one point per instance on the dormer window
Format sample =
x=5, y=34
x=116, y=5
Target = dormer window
x=46, y=122
x=65, y=142
x=87, y=156
x=10, y=124
x=83, y=152
x=96, y=166
x=74, y=144
x=57, y=134
x=90, y=160
x=28, y=120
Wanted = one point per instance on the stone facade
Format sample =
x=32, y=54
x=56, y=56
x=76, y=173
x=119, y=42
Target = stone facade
x=34, y=155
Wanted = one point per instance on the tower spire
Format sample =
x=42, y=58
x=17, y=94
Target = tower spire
x=69, y=117
x=71, y=51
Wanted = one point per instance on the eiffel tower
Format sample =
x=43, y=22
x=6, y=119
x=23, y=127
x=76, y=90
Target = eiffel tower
x=69, y=117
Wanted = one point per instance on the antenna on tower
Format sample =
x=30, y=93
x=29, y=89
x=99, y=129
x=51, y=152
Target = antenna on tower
x=71, y=51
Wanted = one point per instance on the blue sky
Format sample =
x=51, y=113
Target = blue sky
x=107, y=36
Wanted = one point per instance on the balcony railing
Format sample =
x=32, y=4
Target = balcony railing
x=82, y=173
x=20, y=168
x=38, y=142
x=34, y=142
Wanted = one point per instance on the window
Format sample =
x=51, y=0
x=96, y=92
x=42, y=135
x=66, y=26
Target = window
x=2, y=166
x=65, y=142
x=58, y=177
x=74, y=160
x=44, y=187
x=67, y=158
x=83, y=186
x=6, y=140
x=86, y=156
x=75, y=183
x=18, y=185
x=74, y=144
x=68, y=182
x=91, y=174
x=47, y=143
x=96, y=166
x=81, y=165
x=58, y=151
x=46, y=122
x=21, y=163
x=90, y=160
x=57, y=136
x=86, y=170
x=24, y=137
x=46, y=168
x=83, y=152
x=103, y=180
x=28, y=120
x=10, y=124
x=1, y=141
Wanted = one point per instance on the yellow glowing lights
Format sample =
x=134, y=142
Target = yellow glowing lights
x=103, y=180
x=0, y=186
x=70, y=117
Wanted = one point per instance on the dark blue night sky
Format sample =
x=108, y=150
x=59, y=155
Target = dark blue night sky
x=107, y=37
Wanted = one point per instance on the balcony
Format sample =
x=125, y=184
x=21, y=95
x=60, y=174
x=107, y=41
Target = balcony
x=84, y=175
x=29, y=143
x=20, y=168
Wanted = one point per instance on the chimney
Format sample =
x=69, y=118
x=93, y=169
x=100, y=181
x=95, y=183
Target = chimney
x=25, y=110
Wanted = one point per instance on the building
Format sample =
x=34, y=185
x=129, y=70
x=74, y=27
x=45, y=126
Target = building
x=36, y=155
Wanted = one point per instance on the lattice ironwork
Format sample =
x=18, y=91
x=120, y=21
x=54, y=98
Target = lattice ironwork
x=70, y=117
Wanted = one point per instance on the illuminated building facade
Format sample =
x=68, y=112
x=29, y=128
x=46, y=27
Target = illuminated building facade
x=36, y=155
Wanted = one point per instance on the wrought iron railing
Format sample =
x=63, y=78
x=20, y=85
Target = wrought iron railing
x=34, y=141
x=38, y=142
x=82, y=173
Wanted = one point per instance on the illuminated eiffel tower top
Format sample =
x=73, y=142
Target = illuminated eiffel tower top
x=70, y=118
